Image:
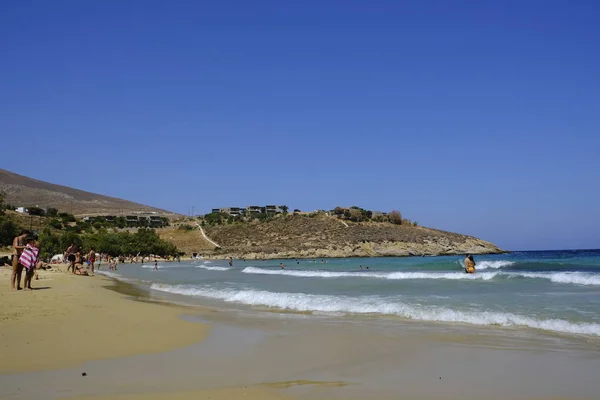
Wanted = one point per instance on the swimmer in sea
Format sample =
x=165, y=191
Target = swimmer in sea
x=469, y=264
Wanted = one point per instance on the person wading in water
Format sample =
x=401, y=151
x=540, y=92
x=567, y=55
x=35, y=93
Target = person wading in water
x=469, y=264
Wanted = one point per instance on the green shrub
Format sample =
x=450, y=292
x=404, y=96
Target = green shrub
x=55, y=223
x=395, y=217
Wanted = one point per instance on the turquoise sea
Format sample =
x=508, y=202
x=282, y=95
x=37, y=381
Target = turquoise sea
x=553, y=291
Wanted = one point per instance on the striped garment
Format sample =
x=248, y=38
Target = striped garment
x=29, y=256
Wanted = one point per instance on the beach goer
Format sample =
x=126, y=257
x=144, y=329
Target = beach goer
x=91, y=259
x=155, y=265
x=281, y=265
x=80, y=270
x=469, y=264
x=71, y=256
x=29, y=260
x=19, y=244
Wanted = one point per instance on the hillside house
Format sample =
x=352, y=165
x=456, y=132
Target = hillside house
x=253, y=210
x=272, y=209
x=132, y=220
x=156, y=221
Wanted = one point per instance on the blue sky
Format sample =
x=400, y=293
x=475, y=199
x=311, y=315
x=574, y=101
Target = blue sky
x=472, y=116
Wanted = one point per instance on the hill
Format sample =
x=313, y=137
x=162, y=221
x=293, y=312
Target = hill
x=299, y=236
x=22, y=191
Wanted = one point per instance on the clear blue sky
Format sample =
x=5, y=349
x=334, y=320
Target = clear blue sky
x=478, y=117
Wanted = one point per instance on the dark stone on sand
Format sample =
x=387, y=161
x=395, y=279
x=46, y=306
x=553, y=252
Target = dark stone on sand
x=83, y=374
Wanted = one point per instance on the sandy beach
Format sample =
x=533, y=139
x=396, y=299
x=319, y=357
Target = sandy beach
x=146, y=350
x=60, y=324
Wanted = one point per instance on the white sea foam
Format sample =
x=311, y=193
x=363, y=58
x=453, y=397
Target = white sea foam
x=367, y=274
x=577, y=278
x=493, y=264
x=375, y=305
x=152, y=266
x=213, y=268
x=109, y=274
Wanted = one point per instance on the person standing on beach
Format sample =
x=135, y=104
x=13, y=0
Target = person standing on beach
x=92, y=259
x=19, y=244
x=469, y=264
x=71, y=257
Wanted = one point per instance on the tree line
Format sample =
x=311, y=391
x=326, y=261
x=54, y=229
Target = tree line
x=55, y=239
x=144, y=241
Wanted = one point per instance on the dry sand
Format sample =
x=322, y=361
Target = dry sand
x=58, y=324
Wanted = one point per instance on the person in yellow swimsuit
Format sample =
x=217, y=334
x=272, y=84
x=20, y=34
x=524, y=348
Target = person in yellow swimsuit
x=469, y=264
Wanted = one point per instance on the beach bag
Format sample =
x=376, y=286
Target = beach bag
x=29, y=257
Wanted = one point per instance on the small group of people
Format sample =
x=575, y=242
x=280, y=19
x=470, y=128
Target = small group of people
x=26, y=252
x=76, y=259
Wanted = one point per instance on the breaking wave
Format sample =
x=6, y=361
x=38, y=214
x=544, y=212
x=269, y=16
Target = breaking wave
x=367, y=274
x=152, y=266
x=376, y=305
x=577, y=278
x=493, y=264
x=213, y=268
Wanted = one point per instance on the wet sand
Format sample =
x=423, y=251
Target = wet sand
x=273, y=355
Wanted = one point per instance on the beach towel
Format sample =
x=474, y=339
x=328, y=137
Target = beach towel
x=29, y=256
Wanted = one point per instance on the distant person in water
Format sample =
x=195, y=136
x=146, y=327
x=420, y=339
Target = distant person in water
x=231, y=261
x=155, y=265
x=469, y=264
x=281, y=265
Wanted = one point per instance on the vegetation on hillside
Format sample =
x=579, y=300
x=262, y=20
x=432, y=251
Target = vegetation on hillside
x=301, y=232
x=8, y=227
x=99, y=234
x=354, y=214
